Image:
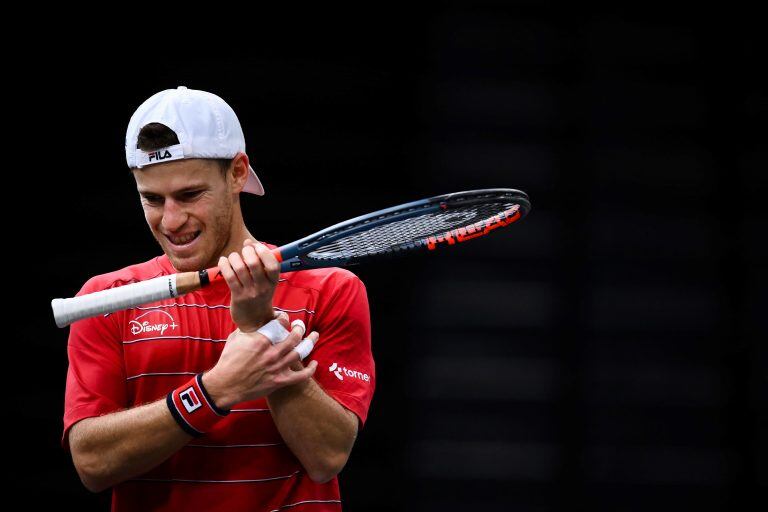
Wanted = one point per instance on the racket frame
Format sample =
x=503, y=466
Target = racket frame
x=292, y=256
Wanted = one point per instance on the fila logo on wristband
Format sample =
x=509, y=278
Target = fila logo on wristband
x=190, y=400
x=193, y=409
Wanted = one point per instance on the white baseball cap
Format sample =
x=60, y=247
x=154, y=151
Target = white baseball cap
x=206, y=127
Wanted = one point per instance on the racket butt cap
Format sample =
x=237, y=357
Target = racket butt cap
x=59, y=313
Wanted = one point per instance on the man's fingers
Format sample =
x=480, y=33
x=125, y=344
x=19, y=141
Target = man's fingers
x=289, y=359
x=251, y=259
x=304, y=348
x=293, y=339
x=260, y=260
x=274, y=332
x=282, y=317
x=297, y=353
x=300, y=324
x=229, y=275
x=297, y=376
x=271, y=266
x=241, y=269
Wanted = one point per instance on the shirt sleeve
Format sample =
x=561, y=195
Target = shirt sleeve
x=346, y=369
x=96, y=374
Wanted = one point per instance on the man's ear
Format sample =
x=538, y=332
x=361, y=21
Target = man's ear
x=240, y=172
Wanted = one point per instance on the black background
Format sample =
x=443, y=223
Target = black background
x=608, y=353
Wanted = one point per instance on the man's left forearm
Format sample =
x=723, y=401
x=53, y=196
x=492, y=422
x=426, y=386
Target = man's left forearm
x=319, y=431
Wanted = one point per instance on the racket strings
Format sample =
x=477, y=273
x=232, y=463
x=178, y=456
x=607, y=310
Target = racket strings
x=407, y=233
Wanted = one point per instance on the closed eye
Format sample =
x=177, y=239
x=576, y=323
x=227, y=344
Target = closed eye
x=152, y=199
x=191, y=194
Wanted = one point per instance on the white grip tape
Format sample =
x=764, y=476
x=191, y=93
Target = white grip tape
x=273, y=331
x=66, y=311
x=304, y=348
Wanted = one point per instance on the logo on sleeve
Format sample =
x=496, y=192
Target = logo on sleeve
x=189, y=399
x=340, y=371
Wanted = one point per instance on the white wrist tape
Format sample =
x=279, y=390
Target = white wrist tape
x=273, y=331
x=304, y=348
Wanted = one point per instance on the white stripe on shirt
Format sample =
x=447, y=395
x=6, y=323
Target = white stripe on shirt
x=160, y=374
x=182, y=480
x=305, y=502
x=160, y=338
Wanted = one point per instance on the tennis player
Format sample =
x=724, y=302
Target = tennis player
x=202, y=402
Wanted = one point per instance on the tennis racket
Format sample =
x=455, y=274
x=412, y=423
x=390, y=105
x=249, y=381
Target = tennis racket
x=428, y=224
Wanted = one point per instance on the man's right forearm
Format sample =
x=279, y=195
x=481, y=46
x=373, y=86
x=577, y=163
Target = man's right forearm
x=107, y=450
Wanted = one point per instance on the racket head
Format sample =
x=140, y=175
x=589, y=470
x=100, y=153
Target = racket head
x=420, y=225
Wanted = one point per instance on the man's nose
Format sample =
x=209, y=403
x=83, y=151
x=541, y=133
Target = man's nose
x=174, y=216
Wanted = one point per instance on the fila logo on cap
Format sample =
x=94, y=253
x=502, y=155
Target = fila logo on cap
x=157, y=155
x=189, y=399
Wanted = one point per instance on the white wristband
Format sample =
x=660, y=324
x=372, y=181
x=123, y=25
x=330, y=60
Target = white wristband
x=273, y=331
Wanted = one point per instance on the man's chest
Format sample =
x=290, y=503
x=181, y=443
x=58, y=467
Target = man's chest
x=184, y=336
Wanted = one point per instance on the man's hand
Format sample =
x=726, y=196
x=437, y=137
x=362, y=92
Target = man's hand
x=252, y=279
x=250, y=367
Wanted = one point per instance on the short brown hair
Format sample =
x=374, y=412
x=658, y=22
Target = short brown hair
x=155, y=136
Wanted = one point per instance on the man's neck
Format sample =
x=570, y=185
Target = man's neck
x=239, y=235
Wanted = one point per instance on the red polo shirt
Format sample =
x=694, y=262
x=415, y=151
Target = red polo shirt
x=137, y=356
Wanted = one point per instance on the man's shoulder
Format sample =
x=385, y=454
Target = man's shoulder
x=130, y=274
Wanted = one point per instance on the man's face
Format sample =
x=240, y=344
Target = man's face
x=189, y=208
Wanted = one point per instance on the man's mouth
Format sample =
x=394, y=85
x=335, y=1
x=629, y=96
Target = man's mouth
x=182, y=240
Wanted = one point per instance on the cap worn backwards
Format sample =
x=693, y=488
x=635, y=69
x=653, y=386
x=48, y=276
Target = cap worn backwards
x=206, y=127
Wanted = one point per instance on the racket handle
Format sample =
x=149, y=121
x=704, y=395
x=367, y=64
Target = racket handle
x=66, y=311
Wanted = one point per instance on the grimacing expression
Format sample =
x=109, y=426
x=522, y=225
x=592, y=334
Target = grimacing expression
x=189, y=208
